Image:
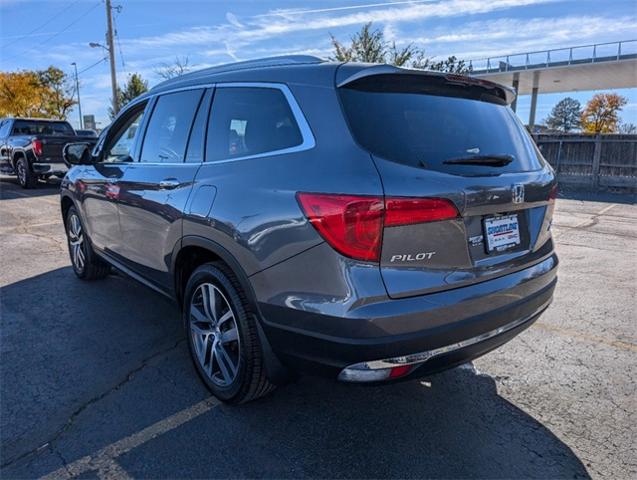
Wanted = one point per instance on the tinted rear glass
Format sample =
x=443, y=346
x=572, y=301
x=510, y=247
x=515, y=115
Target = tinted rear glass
x=33, y=127
x=424, y=130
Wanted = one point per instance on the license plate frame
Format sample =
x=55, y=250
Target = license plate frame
x=501, y=232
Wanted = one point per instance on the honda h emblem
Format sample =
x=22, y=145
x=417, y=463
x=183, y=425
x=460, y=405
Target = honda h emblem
x=517, y=193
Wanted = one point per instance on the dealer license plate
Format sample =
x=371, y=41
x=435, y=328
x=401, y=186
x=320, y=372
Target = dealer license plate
x=502, y=232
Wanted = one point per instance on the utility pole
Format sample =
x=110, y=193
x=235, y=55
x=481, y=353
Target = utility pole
x=79, y=102
x=111, y=54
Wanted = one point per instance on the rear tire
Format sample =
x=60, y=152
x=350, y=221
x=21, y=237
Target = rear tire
x=26, y=178
x=222, y=335
x=86, y=264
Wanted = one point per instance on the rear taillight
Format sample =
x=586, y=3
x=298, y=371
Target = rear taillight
x=553, y=192
x=350, y=224
x=36, y=145
x=406, y=211
x=353, y=224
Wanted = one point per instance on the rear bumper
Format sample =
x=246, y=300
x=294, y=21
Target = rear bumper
x=42, y=168
x=447, y=328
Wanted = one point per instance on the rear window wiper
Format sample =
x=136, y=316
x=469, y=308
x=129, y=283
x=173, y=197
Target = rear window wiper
x=486, y=160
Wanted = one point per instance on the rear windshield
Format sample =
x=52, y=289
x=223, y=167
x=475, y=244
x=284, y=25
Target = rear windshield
x=425, y=130
x=34, y=127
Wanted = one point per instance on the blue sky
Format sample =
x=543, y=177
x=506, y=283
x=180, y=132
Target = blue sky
x=35, y=34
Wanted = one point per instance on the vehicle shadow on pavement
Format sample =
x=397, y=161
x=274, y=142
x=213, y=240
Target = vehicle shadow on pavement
x=86, y=364
x=11, y=189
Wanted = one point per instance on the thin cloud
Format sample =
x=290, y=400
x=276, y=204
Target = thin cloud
x=290, y=12
x=259, y=28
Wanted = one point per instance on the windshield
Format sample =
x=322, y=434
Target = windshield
x=34, y=127
x=428, y=130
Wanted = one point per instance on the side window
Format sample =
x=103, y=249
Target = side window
x=4, y=128
x=250, y=120
x=169, y=127
x=122, y=144
x=194, y=153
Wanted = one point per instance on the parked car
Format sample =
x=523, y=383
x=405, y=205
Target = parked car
x=86, y=133
x=31, y=148
x=368, y=223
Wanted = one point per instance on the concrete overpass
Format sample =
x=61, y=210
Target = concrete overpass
x=601, y=66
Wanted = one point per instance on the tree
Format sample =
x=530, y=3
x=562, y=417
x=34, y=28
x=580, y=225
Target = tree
x=600, y=114
x=565, y=116
x=44, y=93
x=20, y=94
x=627, y=128
x=450, y=65
x=60, y=90
x=369, y=45
x=365, y=46
x=133, y=88
x=175, y=69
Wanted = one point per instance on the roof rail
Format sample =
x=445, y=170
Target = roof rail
x=245, y=65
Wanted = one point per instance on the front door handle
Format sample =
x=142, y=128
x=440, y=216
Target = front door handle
x=169, y=183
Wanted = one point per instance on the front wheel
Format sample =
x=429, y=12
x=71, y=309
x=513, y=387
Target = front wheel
x=222, y=335
x=86, y=264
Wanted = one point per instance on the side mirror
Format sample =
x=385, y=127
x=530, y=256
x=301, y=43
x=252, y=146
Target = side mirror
x=77, y=154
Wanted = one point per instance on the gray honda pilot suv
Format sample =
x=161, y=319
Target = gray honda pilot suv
x=364, y=222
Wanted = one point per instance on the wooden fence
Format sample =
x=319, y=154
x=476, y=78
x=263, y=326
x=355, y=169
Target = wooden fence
x=593, y=162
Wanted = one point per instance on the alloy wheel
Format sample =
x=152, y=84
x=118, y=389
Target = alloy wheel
x=22, y=172
x=215, y=335
x=76, y=242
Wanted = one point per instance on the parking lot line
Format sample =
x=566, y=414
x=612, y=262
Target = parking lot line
x=631, y=347
x=103, y=461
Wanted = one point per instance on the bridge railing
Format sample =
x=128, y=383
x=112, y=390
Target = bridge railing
x=599, y=52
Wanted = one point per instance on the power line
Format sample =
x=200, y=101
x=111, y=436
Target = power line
x=71, y=24
x=56, y=33
x=92, y=65
x=20, y=37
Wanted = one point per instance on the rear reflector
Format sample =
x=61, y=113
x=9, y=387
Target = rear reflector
x=401, y=371
x=353, y=224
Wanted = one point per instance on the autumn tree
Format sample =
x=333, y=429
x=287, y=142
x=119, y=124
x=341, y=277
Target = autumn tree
x=565, y=116
x=60, y=90
x=601, y=113
x=134, y=87
x=42, y=93
x=20, y=94
x=369, y=45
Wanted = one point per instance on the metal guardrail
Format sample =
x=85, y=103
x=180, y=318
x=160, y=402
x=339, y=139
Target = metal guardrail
x=556, y=57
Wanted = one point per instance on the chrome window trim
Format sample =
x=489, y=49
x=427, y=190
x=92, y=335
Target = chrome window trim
x=306, y=132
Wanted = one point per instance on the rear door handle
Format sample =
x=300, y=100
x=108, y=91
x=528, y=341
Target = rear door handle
x=169, y=183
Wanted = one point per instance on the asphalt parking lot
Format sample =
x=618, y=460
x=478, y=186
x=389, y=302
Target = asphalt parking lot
x=96, y=381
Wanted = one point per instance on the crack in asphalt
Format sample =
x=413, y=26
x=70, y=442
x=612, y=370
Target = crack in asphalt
x=69, y=423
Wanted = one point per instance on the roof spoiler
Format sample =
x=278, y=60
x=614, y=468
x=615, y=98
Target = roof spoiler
x=505, y=93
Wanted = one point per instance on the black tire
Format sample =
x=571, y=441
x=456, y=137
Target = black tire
x=91, y=267
x=26, y=178
x=250, y=381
